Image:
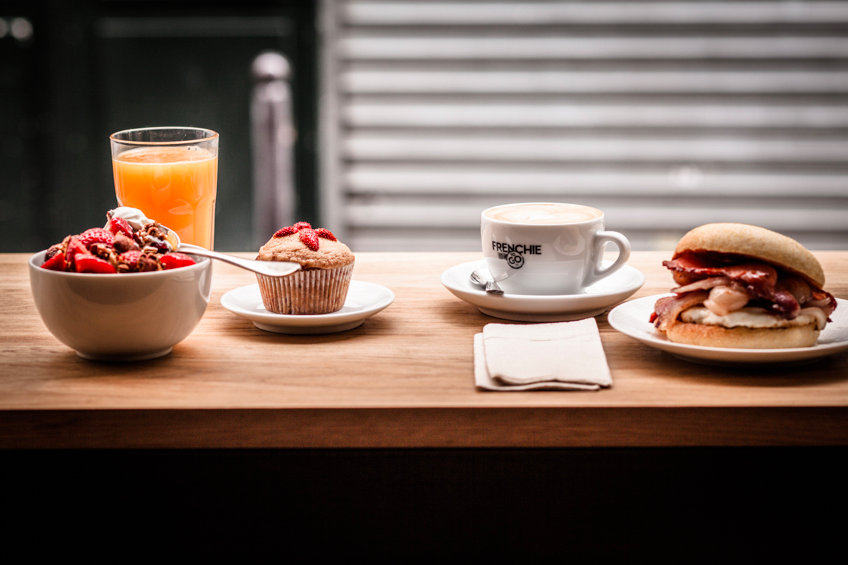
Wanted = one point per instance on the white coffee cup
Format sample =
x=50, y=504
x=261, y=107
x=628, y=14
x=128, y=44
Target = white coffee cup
x=548, y=248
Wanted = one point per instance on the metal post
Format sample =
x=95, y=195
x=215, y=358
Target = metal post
x=272, y=136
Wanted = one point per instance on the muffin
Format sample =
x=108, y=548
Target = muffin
x=320, y=287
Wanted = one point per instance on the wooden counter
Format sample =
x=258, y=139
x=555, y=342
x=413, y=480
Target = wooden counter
x=402, y=379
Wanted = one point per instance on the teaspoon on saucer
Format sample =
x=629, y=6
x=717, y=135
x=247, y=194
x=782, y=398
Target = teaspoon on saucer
x=490, y=285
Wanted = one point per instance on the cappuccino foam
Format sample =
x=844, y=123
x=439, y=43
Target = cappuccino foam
x=551, y=214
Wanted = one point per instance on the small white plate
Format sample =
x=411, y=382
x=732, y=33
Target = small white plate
x=538, y=308
x=363, y=300
x=632, y=319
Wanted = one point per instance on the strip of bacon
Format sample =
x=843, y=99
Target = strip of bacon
x=726, y=299
x=795, y=286
x=667, y=309
x=698, y=273
x=824, y=300
x=785, y=304
x=703, y=284
x=759, y=279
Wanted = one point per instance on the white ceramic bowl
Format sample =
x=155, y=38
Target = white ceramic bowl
x=127, y=317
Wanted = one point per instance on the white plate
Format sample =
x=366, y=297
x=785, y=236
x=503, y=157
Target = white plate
x=363, y=300
x=631, y=318
x=537, y=308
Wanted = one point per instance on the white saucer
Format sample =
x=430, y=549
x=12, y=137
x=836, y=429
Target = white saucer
x=363, y=300
x=537, y=308
x=631, y=318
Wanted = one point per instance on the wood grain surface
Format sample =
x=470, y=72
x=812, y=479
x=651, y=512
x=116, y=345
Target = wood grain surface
x=402, y=379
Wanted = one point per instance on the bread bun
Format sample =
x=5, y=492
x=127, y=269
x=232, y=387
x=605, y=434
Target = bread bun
x=754, y=242
x=743, y=338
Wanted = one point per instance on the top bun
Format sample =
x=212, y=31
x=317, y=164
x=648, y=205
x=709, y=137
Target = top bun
x=754, y=242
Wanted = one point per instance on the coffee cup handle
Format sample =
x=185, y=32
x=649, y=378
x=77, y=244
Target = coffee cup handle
x=598, y=271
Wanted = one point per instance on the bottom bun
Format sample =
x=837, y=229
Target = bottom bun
x=743, y=338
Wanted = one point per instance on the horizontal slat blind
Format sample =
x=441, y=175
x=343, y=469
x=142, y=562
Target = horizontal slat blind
x=546, y=13
x=665, y=114
x=371, y=114
x=364, y=79
x=416, y=47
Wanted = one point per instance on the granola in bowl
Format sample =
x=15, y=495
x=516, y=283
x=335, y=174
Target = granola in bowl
x=119, y=247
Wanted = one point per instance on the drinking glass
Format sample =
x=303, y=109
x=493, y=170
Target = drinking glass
x=170, y=174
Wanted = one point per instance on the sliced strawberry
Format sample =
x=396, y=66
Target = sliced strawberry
x=309, y=238
x=119, y=225
x=130, y=259
x=176, y=260
x=286, y=231
x=97, y=235
x=88, y=263
x=74, y=247
x=55, y=263
x=326, y=234
x=303, y=226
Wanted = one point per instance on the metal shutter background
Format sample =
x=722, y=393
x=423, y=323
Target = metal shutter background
x=666, y=115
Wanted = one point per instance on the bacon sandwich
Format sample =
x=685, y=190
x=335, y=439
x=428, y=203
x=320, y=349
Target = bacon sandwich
x=746, y=287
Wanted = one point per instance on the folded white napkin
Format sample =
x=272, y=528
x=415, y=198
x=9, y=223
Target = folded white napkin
x=565, y=356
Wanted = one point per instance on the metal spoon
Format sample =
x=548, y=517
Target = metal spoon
x=490, y=285
x=137, y=219
x=268, y=268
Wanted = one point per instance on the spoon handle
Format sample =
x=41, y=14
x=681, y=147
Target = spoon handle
x=269, y=268
x=493, y=288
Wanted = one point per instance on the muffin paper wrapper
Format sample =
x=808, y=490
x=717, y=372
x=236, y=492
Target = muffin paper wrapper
x=317, y=291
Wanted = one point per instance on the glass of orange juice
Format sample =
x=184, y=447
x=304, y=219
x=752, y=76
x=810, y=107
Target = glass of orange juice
x=170, y=174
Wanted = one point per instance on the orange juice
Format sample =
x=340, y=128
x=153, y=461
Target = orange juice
x=176, y=186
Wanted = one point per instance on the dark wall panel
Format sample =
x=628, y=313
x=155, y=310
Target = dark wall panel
x=92, y=68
